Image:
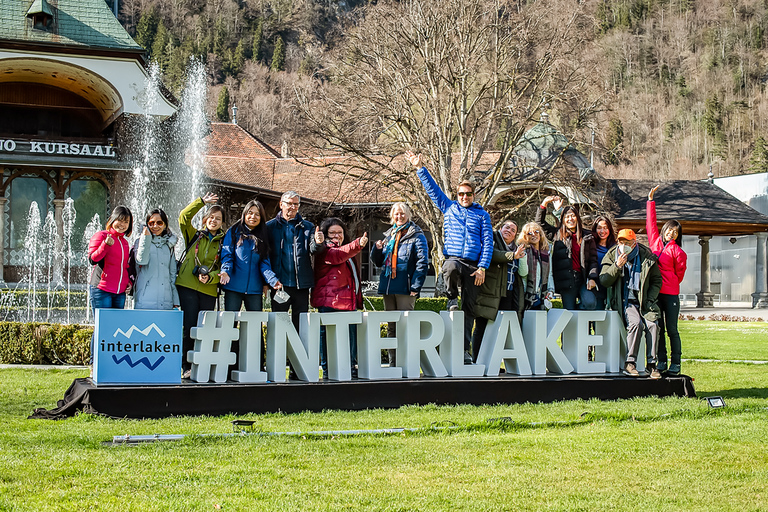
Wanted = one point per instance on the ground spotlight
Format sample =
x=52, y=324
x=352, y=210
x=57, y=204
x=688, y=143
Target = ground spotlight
x=715, y=402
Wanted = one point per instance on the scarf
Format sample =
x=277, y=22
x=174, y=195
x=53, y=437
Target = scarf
x=390, y=262
x=631, y=277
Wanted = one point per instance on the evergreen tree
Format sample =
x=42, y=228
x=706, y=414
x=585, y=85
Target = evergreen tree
x=278, y=57
x=257, y=50
x=615, y=141
x=146, y=29
x=758, y=162
x=160, y=50
x=222, y=109
x=238, y=59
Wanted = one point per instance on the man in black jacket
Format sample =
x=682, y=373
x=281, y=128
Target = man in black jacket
x=291, y=241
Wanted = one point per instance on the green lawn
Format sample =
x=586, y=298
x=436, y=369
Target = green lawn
x=707, y=339
x=647, y=453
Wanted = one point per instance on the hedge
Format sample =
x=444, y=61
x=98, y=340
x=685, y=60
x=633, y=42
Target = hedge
x=42, y=343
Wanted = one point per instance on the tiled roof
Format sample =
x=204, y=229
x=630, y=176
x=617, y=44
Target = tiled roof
x=76, y=23
x=227, y=139
x=245, y=171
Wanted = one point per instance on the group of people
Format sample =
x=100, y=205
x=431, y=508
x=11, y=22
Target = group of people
x=590, y=269
x=287, y=257
x=303, y=265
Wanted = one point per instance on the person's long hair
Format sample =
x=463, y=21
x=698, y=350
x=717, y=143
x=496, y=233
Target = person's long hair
x=334, y=221
x=522, y=238
x=163, y=217
x=611, y=240
x=673, y=224
x=563, y=232
x=259, y=232
x=121, y=213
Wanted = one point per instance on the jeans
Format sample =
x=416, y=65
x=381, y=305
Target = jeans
x=234, y=300
x=670, y=311
x=587, y=298
x=104, y=300
x=324, y=346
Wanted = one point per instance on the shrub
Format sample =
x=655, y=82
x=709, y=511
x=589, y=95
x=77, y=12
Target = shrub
x=41, y=343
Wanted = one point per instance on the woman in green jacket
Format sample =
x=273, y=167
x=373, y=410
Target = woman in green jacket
x=198, y=278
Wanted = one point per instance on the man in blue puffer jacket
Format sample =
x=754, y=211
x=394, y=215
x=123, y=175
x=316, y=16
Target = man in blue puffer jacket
x=468, y=245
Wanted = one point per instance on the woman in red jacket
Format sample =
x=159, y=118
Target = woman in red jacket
x=337, y=279
x=672, y=263
x=108, y=251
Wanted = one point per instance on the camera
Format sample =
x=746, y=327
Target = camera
x=200, y=270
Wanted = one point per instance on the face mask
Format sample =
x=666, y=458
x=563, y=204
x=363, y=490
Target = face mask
x=625, y=249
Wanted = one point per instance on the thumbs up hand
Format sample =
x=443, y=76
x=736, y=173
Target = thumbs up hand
x=319, y=236
x=364, y=239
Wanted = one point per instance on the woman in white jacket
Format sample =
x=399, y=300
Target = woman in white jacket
x=155, y=286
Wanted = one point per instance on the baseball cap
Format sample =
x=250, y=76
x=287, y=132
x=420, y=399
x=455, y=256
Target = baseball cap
x=627, y=234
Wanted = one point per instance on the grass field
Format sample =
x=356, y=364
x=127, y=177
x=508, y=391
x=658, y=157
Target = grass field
x=646, y=453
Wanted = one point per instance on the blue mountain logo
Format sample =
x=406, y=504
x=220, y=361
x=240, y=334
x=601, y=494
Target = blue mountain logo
x=145, y=361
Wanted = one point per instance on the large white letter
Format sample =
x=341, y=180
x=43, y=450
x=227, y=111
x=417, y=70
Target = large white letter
x=452, y=347
x=503, y=339
x=370, y=343
x=213, y=346
x=541, y=330
x=337, y=342
x=250, y=347
x=576, y=341
x=417, y=349
x=283, y=340
x=612, y=350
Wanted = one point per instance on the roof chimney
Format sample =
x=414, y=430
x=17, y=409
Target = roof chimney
x=234, y=114
x=284, y=151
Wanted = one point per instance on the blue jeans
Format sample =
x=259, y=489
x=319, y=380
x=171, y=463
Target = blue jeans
x=104, y=300
x=324, y=347
x=233, y=301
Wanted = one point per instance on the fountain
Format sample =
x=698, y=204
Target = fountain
x=167, y=170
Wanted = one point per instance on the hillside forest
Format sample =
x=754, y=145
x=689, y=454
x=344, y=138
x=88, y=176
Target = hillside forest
x=675, y=87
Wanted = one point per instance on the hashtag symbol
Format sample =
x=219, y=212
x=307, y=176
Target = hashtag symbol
x=213, y=342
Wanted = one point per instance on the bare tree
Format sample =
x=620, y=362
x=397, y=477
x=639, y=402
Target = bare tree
x=453, y=79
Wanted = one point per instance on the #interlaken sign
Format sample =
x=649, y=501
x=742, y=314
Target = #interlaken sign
x=137, y=347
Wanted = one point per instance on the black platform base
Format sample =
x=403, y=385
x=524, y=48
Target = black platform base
x=233, y=398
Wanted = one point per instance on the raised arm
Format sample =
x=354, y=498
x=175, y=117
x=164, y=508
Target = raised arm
x=654, y=239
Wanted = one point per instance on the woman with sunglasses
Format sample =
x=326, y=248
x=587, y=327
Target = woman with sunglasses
x=198, y=278
x=672, y=263
x=538, y=283
x=153, y=251
x=574, y=256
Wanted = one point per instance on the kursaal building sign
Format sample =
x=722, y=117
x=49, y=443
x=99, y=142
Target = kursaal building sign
x=26, y=147
x=427, y=343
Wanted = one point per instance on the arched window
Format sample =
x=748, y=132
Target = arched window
x=90, y=198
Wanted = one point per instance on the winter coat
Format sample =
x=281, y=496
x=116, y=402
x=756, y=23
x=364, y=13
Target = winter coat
x=300, y=273
x=672, y=258
x=562, y=253
x=467, y=232
x=336, y=286
x=155, y=286
x=412, y=262
x=114, y=275
x=545, y=284
x=247, y=270
x=208, y=246
x=495, y=285
x=611, y=277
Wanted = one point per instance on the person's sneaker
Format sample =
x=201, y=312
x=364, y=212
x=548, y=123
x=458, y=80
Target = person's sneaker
x=187, y=374
x=468, y=358
x=453, y=305
x=631, y=370
x=661, y=366
x=354, y=373
x=674, y=369
x=655, y=373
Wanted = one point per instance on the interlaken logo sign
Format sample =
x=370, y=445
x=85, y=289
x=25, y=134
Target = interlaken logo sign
x=137, y=347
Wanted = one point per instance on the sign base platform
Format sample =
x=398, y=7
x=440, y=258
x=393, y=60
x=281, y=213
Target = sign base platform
x=192, y=399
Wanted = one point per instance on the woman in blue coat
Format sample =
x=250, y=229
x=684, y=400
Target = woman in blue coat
x=404, y=256
x=155, y=286
x=245, y=268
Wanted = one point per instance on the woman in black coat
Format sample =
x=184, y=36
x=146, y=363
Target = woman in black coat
x=574, y=256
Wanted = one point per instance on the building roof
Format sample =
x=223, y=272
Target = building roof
x=541, y=147
x=78, y=23
x=228, y=139
x=701, y=207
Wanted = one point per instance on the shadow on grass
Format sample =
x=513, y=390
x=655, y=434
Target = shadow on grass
x=739, y=393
